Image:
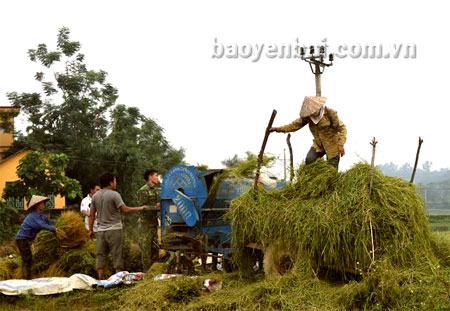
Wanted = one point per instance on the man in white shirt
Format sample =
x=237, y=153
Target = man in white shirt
x=85, y=207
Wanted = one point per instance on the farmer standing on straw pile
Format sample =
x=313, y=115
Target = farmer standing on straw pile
x=328, y=130
x=108, y=204
x=30, y=227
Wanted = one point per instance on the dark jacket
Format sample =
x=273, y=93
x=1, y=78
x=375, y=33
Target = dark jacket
x=32, y=224
x=328, y=134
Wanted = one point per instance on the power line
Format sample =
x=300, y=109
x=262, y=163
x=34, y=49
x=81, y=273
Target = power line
x=125, y=164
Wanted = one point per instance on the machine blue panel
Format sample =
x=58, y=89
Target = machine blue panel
x=231, y=189
x=183, y=178
x=186, y=208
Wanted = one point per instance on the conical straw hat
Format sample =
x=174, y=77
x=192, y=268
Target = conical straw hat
x=36, y=199
x=311, y=104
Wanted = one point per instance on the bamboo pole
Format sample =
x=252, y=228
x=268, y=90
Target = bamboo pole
x=372, y=164
x=291, y=165
x=372, y=169
x=261, y=152
x=417, y=160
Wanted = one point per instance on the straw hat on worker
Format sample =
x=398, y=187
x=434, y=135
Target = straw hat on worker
x=36, y=199
x=313, y=107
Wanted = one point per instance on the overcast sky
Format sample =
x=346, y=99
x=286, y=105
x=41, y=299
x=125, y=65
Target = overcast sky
x=160, y=57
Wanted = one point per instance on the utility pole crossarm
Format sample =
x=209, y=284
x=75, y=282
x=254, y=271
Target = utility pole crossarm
x=317, y=64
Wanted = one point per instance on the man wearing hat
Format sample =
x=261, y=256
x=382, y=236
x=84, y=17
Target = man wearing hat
x=328, y=130
x=30, y=227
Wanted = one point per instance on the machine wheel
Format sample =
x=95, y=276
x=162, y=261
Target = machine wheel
x=227, y=265
x=214, y=263
x=251, y=261
x=183, y=266
x=277, y=261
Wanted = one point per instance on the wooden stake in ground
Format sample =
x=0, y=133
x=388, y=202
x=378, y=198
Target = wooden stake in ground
x=372, y=168
x=291, y=166
x=417, y=160
x=261, y=153
x=372, y=163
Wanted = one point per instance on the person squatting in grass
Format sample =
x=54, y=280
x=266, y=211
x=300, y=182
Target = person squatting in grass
x=107, y=204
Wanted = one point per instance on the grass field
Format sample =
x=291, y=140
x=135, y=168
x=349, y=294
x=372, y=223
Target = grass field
x=438, y=211
x=440, y=222
x=237, y=294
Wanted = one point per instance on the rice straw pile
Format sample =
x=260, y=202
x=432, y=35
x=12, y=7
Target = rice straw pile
x=327, y=219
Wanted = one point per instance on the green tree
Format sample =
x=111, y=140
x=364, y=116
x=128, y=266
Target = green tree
x=246, y=167
x=134, y=144
x=76, y=114
x=71, y=113
x=5, y=120
x=44, y=175
x=424, y=175
x=231, y=162
x=426, y=166
x=73, y=109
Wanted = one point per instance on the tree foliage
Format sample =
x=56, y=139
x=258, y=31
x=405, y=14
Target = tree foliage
x=424, y=175
x=5, y=119
x=7, y=227
x=73, y=108
x=134, y=144
x=249, y=157
x=44, y=175
x=433, y=185
x=231, y=162
x=76, y=114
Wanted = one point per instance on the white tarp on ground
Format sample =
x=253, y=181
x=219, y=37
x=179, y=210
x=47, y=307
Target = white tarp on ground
x=47, y=286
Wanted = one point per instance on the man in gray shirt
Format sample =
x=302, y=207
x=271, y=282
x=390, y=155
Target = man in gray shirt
x=108, y=204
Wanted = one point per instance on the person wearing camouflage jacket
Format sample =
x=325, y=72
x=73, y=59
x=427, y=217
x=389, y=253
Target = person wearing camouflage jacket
x=329, y=132
x=149, y=194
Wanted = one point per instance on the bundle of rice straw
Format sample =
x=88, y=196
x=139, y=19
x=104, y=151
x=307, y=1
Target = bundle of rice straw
x=47, y=251
x=71, y=230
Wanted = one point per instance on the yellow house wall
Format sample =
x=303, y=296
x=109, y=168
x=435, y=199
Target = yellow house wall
x=8, y=170
x=6, y=139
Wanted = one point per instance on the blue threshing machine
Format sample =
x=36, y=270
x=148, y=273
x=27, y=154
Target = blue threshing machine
x=192, y=215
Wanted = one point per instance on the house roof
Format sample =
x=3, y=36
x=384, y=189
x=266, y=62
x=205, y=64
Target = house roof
x=14, y=154
x=9, y=107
